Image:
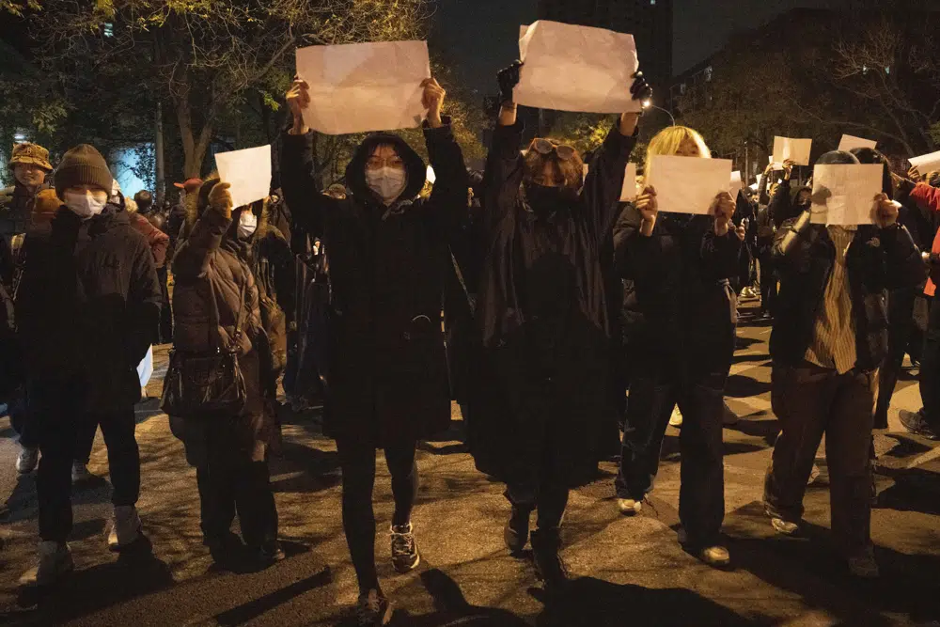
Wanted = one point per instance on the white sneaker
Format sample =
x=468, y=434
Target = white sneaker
x=629, y=507
x=27, y=459
x=864, y=565
x=80, y=472
x=785, y=527
x=676, y=418
x=125, y=527
x=715, y=556
x=55, y=560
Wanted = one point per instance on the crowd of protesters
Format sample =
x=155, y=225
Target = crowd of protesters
x=554, y=292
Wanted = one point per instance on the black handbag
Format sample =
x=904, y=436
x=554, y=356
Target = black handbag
x=207, y=385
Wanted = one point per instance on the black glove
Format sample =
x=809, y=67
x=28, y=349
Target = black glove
x=508, y=78
x=640, y=90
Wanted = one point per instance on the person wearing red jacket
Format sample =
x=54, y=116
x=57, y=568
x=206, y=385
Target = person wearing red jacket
x=925, y=421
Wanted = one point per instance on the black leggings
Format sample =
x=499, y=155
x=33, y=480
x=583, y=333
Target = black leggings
x=358, y=463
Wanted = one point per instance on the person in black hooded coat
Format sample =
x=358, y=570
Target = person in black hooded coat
x=545, y=395
x=387, y=383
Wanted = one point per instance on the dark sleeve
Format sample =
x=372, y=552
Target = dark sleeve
x=602, y=192
x=636, y=257
x=904, y=266
x=449, y=194
x=159, y=242
x=283, y=260
x=502, y=175
x=144, y=300
x=309, y=207
x=793, y=241
x=192, y=256
x=779, y=209
x=720, y=255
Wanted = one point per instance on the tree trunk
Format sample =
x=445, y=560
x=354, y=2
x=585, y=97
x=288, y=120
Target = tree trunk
x=194, y=151
x=161, y=187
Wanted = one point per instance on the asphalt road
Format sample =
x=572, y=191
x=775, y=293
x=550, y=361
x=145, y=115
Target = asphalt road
x=628, y=570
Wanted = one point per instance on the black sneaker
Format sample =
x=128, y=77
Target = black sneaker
x=405, y=556
x=373, y=609
x=550, y=568
x=226, y=550
x=267, y=555
x=516, y=532
x=915, y=423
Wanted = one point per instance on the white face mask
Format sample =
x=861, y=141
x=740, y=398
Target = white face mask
x=84, y=204
x=387, y=183
x=248, y=222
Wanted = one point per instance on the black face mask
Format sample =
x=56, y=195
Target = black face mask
x=545, y=200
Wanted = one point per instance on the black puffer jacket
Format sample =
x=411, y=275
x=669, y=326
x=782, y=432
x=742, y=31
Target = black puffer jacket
x=877, y=260
x=544, y=384
x=88, y=304
x=387, y=379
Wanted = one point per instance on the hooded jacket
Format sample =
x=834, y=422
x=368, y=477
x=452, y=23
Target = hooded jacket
x=88, y=304
x=387, y=375
x=543, y=317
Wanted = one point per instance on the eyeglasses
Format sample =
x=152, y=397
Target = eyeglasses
x=547, y=147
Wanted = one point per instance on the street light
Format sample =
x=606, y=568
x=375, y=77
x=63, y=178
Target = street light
x=648, y=104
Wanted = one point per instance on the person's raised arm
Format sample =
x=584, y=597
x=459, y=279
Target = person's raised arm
x=449, y=195
x=301, y=190
x=191, y=260
x=721, y=245
x=602, y=191
x=504, y=170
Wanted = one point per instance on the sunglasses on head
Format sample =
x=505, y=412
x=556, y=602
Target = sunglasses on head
x=547, y=147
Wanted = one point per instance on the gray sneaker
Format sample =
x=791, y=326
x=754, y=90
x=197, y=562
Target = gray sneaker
x=27, y=459
x=405, y=556
x=373, y=609
x=55, y=561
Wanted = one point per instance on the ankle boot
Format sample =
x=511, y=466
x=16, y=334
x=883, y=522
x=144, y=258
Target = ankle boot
x=549, y=565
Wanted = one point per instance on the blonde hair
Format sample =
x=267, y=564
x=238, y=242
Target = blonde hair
x=668, y=141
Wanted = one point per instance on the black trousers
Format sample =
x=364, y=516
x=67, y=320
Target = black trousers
x=768, y=283
x=809, y=401
x=694, y=379
x=25, y=428
x=230, y=482
x=901, y=310
x=57, y=408
x=928, y=377
x=358, y=464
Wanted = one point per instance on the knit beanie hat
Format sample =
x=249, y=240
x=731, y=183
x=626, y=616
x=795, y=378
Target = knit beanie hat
x=83, y=165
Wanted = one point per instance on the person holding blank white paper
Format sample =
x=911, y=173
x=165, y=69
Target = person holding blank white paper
x=386, y=383
x=680, y=265
x=541, y=308
x=829, y=338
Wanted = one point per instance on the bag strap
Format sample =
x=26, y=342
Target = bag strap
x=214, y=309
x=460, y=277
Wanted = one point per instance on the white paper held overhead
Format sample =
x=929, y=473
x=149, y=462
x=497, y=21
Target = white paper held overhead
x=576, y=68
x=357, y=88
x=843, y=193
x=848, y=142
x=688, y=184
x=928, y=163
x=248, y=171
x=629, y=187
x=797, y=150
x=735, y=184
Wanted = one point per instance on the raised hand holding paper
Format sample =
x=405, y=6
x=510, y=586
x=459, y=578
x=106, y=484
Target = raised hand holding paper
x=576, y=68
x=357, y=88
x=928, y=163
x=848, y=142
x=248, y=172
x=629, y=188
x=688, y=184
x=797, y=150
x=843, y=194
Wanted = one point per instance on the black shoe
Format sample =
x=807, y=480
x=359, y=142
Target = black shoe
x=516, y=532
x=267, y=555
x=226, y=550
x=549, y=565
x=915, y=423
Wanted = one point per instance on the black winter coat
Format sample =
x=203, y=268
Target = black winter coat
x=684, y=304
x=544, y=387
x=88, y=304
x=387, y=380
x=877, y=260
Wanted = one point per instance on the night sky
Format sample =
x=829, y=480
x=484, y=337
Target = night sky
x=481, y=35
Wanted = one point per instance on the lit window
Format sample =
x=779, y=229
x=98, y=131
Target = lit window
x=707, y=73
x=108, y=30
x=653, y=2
x=887, y=69
x=682, y=88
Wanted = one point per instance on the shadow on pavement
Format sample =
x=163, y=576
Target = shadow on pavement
x=740, y=386
x=915, y=490
x=135, y=573
x=312, y=470
x=246, y=612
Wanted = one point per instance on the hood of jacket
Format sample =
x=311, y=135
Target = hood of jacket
x=414, y=167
